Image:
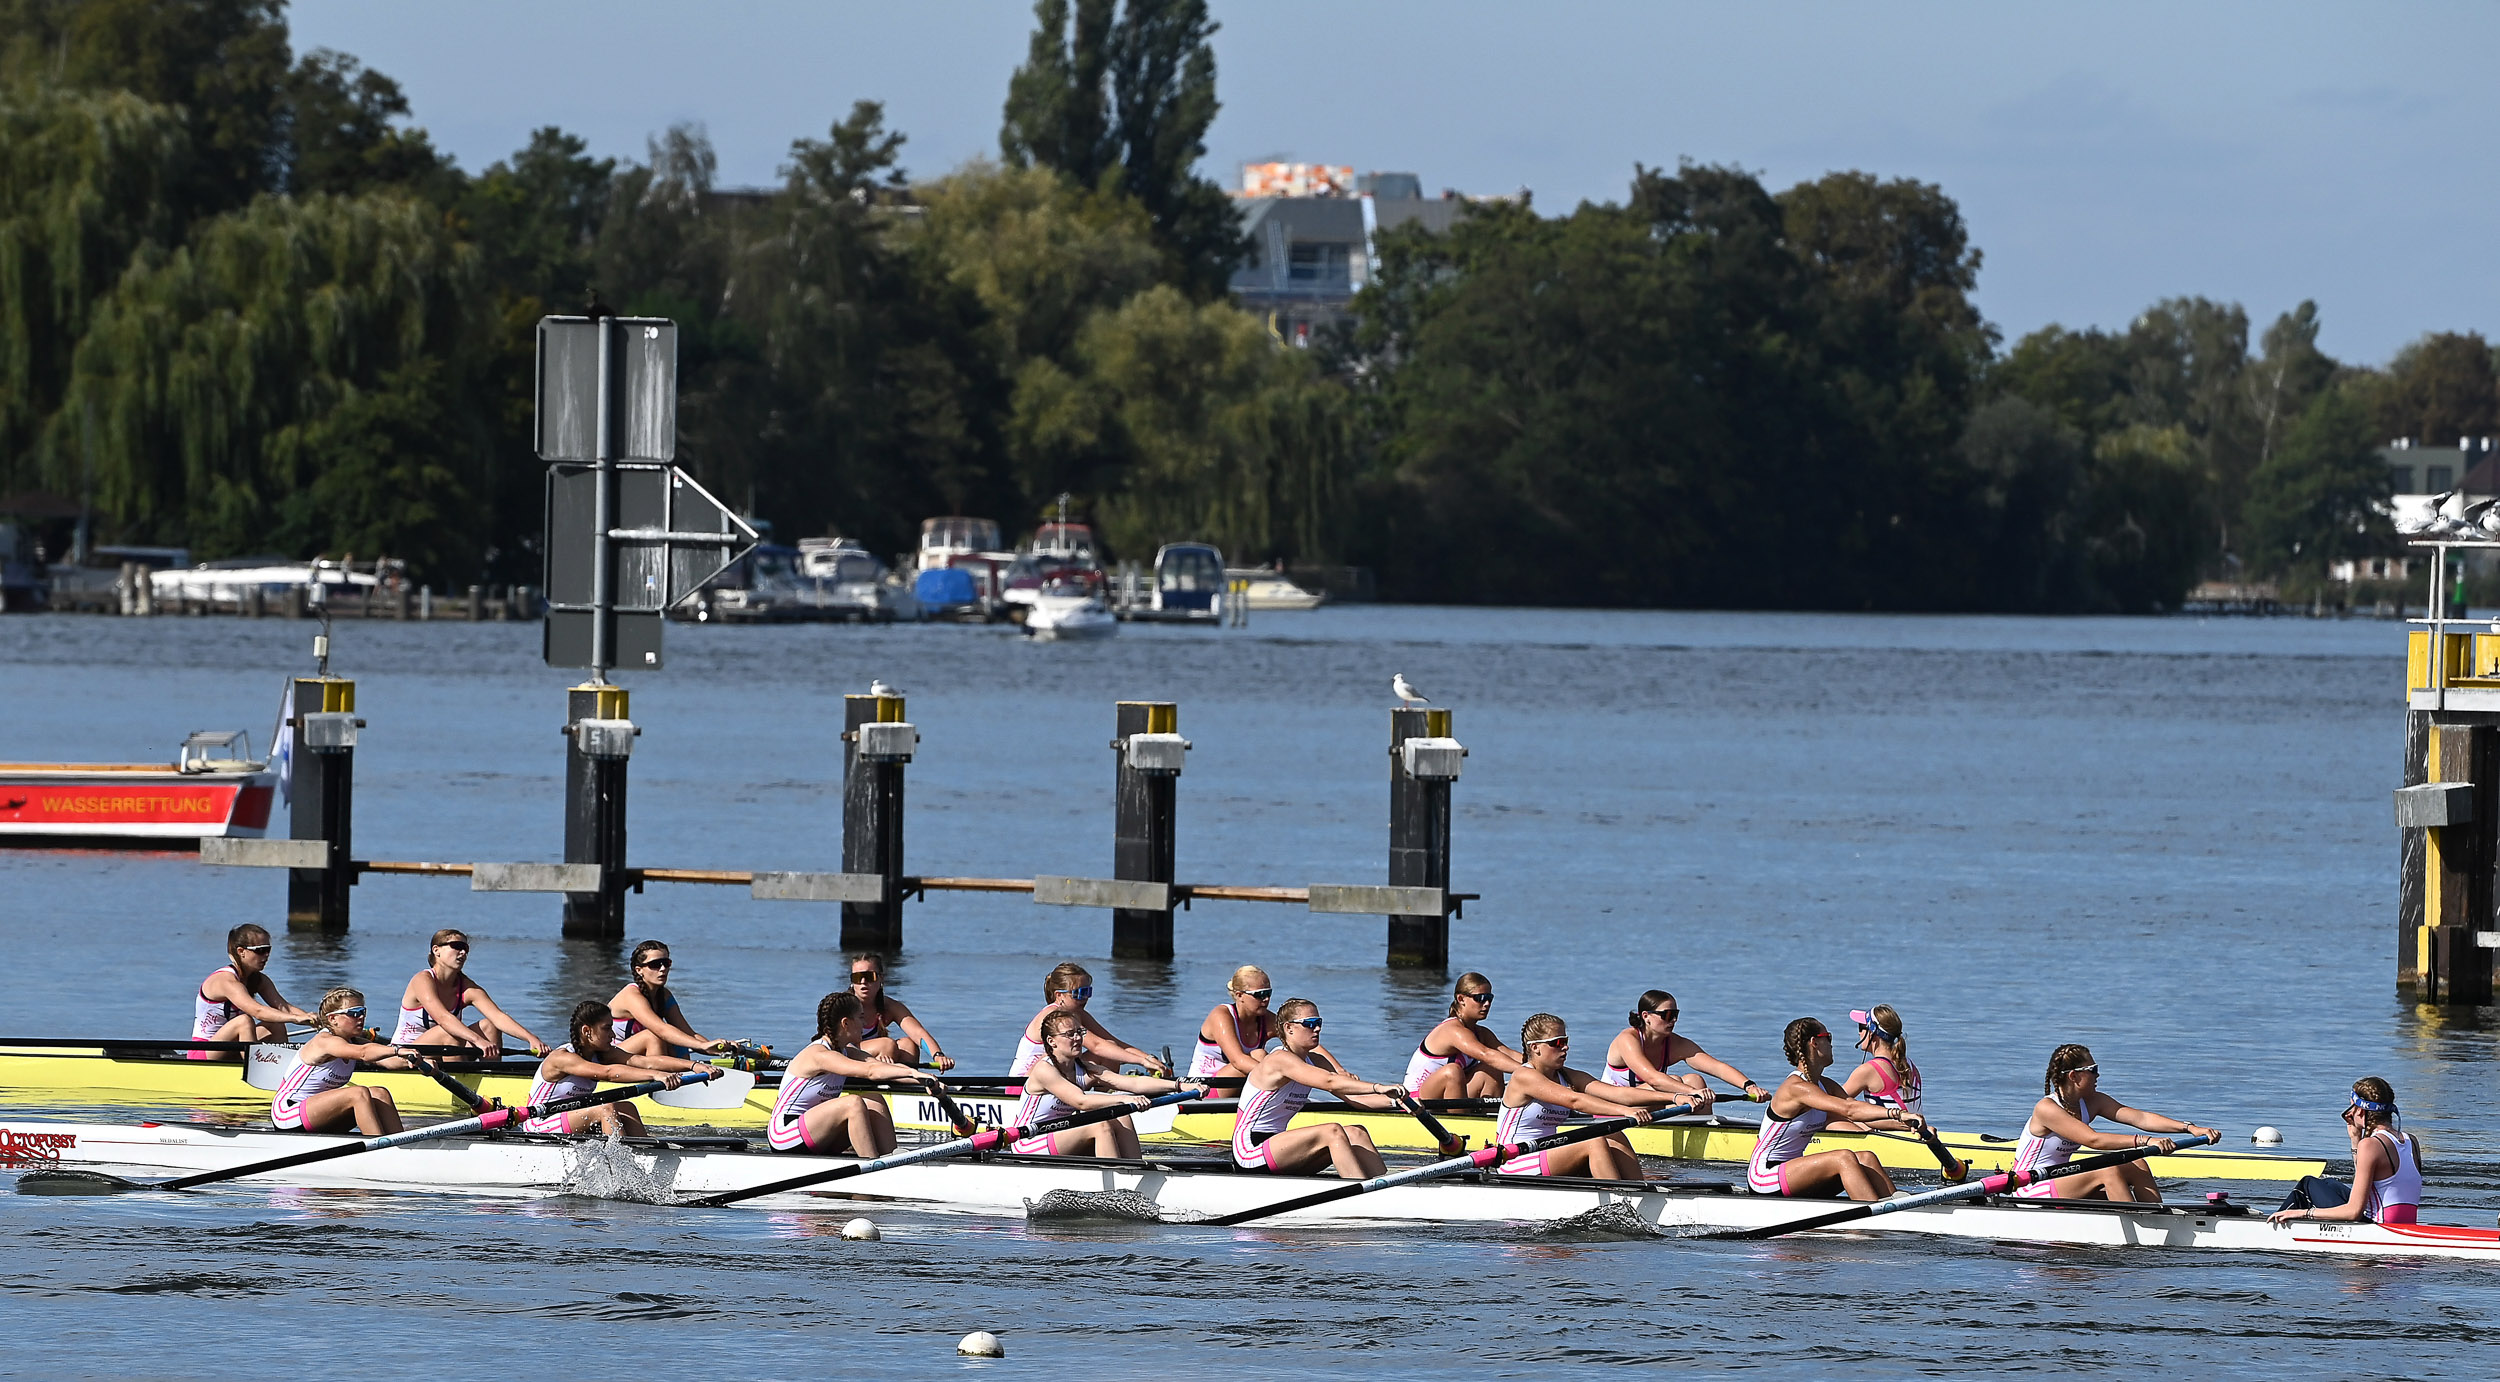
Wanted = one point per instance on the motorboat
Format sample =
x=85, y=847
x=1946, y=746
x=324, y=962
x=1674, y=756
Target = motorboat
x=1189, y=582
x=1067, y=611
x=850, y=583
x=214, y=788
x=1266, y=588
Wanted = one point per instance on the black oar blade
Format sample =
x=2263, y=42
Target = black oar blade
x=71, y=1180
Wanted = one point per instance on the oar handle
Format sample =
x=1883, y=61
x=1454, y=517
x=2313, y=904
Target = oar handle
x=1450, y=1143
x=459, y=1091
x=1997, y=1184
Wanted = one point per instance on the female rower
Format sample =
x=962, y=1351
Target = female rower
x=316, y=1096
x=1471, y=1060
x=1641, y=1053
x=436, y=996
x=1068, y=989
x=2385, y=1158
x=1886, y=1076
x=1236, y=1032
x=1274, y=1090
x=880, y=1011
x=2061, y=1123
x=644, y=1017
x=1069, y=1077
x=238, y=1002
x=1543, y=1094
x=577, y=1067
x=813, y=1114
x=1799, y=1108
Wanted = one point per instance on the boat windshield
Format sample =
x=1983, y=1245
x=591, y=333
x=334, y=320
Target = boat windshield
x=1190, y=568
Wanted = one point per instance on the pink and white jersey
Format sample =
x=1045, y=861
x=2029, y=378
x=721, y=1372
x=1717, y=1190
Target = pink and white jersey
x=1209, y=1056
x=1527, y=1123
x=1041, y=1105
x=1029, y=1050
x=302, y=1083
x=1781, y=1140
x=1621, y=1075
x=1263, y=1114
x=1896, y=1087
x=2396, y=1197
x=415, y=1022
x=210, y=1015
x=544, y=1090
x=788, y=1130
x=2041, y=1150
x=1419, y=1066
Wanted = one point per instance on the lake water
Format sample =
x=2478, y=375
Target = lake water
x=2170, y=839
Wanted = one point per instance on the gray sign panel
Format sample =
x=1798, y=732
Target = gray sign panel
x=670, y=538
x=643, y=356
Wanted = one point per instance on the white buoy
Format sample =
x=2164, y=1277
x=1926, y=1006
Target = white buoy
x=862, y=1231
x=2269, y=1135
x=981, y=1343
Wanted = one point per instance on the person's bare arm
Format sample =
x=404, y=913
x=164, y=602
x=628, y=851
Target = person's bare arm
x=503, y=1019
x=243, y=998
x=911, y=1028
x=637, y=1006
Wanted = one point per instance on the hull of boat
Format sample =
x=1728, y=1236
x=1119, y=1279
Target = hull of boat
x=1177, y=1190
x=132, y=802
x=64, y=1078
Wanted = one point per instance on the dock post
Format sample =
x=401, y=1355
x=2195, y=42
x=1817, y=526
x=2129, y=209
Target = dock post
x=872, y=820
x=1419, y=841
x=598, y=743
x=2453, y=888
x=321, y=739
x=1144, y=816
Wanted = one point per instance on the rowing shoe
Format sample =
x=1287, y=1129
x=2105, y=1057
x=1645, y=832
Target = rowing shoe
x=75, y=1182
x=1997, y=1184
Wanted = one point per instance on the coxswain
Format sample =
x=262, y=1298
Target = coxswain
x=812, y=1113
x=239, y=1002
x=2385, y=1158
x=1067, y=989
x=1804, y=1103
x=1236, y=1032
x=1470, y=1060
x=430, y=1008
x=1276, y=1087
x=318, y=1095
x=1642, y=1053
x=578, y=1066
x=881, y=1014
x=1544, y=1093
x=644, y=1018
x=2061, y=1124
x=1069, y=1078
x=1886, y=1076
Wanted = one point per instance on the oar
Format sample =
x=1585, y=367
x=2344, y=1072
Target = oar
x=980, y=1141
x=964, y=1126
x=1450, y=1143
x=459, y=1091
x=1955, y=1169
x=1489, y=1156
x=484, y=1122
x=1997, y=1184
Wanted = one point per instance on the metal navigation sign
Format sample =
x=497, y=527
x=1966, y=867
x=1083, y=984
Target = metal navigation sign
x=628, y=534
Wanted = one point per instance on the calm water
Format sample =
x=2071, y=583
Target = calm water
x=2168, y=839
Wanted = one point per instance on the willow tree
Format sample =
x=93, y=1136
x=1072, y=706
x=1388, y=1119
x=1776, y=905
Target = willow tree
x=295, y=375
x=84, y=182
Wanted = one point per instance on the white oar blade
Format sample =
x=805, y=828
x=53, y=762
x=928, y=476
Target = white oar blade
x=1159, y=1119
x=268, y=1063
x=730, y=1090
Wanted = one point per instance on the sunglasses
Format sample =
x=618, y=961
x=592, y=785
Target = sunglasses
x=864, y=976
x=1485, y=997
x=1666, y=1015
x=455, y=945
x=1077, y=1032
x=1310, y=1022
x=356, y=1013
x=1558, y=1043
x=1261, y=994
x=1084, y=991
x=255, y=949
x=659, y=964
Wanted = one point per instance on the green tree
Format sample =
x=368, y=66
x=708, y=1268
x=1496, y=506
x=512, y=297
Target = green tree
x=343, y=136
x=2283, y=381
x=2440, y=388
x=2322, y=495
x=1126, y=91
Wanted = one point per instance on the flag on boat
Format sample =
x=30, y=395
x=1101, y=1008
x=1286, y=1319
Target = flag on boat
x=282, y=747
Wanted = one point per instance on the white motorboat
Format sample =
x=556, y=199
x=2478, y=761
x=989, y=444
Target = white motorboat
x=1174, y=1188
x=1265, y=589
x=1063, y=613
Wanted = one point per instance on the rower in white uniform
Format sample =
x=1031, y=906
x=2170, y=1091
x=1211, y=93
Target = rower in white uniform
x=1067, y=989
x=432, y=1007
x=1802, y=1106
x=318, y=1095
x=812, y=1113
x=1236, y=1032
x=2385, y=1158
x=1461, y=1058
x=1543, y=1094
x=2061, y=1124
x=881, y=1015
x=1276, y=1088
x=645, y=1016
x=578, y=1067
x=1069, y=1077
x=240, y=1002
x=1644, y=1053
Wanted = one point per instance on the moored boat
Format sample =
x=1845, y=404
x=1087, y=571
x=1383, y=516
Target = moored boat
x=213, y=788
x=1175, y=1188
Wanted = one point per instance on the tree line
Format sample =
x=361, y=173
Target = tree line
x=250, y=308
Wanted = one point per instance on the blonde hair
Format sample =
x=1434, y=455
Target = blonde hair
x=1060, y=978
x=1296, y=1007
x=1885, y=1021
x=338, y=1000
x=1539, y=1027
x=1459, y=989
x=1240, y=981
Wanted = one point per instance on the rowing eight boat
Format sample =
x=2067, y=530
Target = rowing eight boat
x=67, y=1076
x=1179, y=1189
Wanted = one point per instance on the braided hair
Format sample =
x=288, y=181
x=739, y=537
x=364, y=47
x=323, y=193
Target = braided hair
x=1799, y=1036
x=2064, y=1061
x=833, y=1010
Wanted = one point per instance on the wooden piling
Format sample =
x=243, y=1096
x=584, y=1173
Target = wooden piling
x=321, y=807
x=2411, y=945
x=2457, y=869
x=594, y=815
x=1419, y=841
x=1143, y=830
x=872, y=827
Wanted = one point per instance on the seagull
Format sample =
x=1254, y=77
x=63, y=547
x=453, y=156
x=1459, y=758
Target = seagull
x=1405, y=691
x=878, y=687
x=2431, y=516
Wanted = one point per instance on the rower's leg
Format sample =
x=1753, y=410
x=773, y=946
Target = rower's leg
x=1441, y=1084
x=1876, y=1174
x=1612, y=1158
x=1122, y=1135
x=1366, y=1156
x=1484, y=1082
x=888, y=1048
x=629, y=1118
x=643, y=1043
x=2139, y=1183
x=868, y=1124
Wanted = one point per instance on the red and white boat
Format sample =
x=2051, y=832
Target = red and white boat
x=215, y=788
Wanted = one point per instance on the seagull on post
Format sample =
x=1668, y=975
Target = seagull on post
x=1405, y=691
x=877, y=687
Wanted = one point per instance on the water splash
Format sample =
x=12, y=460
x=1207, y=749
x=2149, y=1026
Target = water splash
x=1617, y=1220
x=1126, y=1205
x=602, y=1168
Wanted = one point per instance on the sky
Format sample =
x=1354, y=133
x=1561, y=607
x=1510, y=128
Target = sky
x=2105, y=156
